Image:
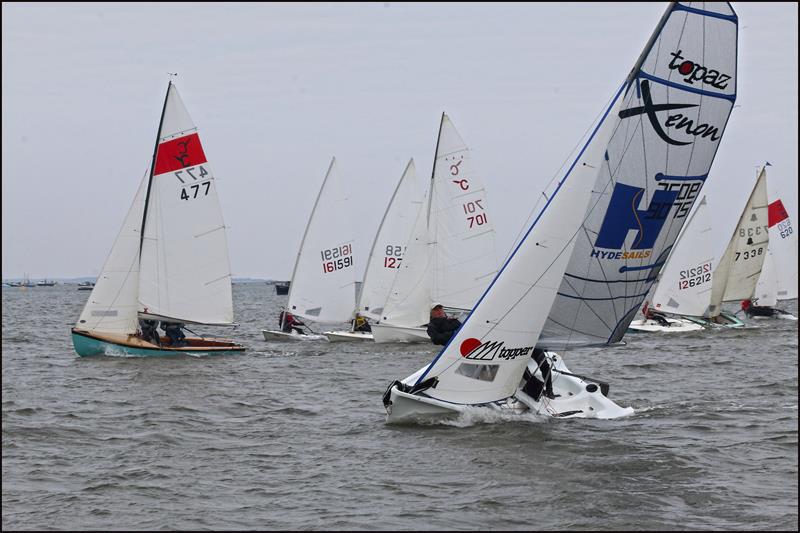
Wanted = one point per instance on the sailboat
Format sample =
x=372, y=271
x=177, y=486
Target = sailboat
x=450, y=256
x=386, y=254
x=322, y=287
x=45, y=283
x=169, y=262
x=695, y=287
x=695, y=284
x=585, y=264
x=778, y=279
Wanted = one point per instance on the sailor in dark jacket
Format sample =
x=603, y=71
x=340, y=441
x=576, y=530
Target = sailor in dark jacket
x=440, y=327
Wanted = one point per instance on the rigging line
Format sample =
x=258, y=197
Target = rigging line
x=558, y=173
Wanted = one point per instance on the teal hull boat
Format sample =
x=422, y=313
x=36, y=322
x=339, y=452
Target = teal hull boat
x=88, y=344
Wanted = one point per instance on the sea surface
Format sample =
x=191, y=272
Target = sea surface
x=293, y=436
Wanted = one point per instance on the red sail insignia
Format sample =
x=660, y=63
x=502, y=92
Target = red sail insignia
x=776, y=213
x=179, y=153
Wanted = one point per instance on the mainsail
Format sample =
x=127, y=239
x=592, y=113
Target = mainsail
x=783, y=248
x=450, y=256
x=736, y=274
x=677, y=102
x=684, y=286
x=323, y=281
x=386, y=255
x=184, y=271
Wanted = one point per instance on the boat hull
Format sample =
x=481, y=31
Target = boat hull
x=577, y=397
x=348, y=336
x=676, y=325
x=388, y=333
x=727, y=320
x=89, y=344
x=280, y=336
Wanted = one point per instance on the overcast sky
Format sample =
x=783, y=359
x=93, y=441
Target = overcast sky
x=276, y=90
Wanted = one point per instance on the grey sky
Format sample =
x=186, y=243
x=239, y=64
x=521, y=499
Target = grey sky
x=277, y=89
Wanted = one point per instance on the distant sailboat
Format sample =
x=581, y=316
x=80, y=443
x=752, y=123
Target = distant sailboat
x=322, y=287
x=778, y=279
x=169, y=262
x=583, y=268
x=450, y=256
x=386, y=255
x=45, y=283
x=695, y=284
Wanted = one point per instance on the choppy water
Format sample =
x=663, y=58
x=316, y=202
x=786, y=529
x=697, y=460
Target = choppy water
x=293, y=436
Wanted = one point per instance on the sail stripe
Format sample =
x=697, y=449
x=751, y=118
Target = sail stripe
x=660, y=177
x=603, y=299
x=645, y=75
x=640, y=280
x=777, y=213
x=179, y=153
x=703, y=12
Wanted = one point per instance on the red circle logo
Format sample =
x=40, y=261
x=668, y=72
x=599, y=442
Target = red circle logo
x=468, y=345
x=686, y=67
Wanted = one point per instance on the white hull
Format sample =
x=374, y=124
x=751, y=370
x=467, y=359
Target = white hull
x=675, y=325
x=273, y=335
x=784, y=316
x=389, y=333
x=576, y=398
x=348, y=336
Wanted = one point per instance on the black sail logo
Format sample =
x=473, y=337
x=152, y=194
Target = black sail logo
x=677, y=120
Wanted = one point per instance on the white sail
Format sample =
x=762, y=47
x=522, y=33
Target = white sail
x=323, y=282
x=737, y=272
x=676, y=106
x=184, y=271
x=485, y=359
x=409, y=300
x=386, y=255
x=450, y=257
x=766, y=293
x=783, y=245
x=684, y=287
x=112, y=306
x=460, y=228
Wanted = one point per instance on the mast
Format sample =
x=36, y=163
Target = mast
x=308, y=225
x=152, y=169
x=378, y=234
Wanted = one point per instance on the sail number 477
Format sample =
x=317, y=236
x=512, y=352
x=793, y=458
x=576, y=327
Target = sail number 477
x=190, y=192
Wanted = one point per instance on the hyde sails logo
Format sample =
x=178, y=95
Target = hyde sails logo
x=623, y=216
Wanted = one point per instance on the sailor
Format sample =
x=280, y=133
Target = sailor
x=150, y=331
x=288, y=322
x=649, y=314
x=757, y=310
x=441, y=328
x=361, y=324
x=174, y=331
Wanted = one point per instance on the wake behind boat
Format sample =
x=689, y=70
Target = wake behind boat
x=169, y=262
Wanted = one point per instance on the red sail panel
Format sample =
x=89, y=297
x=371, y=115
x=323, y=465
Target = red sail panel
x=776, y=213
x=179, y=153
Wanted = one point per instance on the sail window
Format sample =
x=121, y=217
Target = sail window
x=481, y=372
